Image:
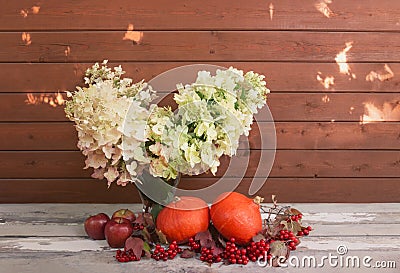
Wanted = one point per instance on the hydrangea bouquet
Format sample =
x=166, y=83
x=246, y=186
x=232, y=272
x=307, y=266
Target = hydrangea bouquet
x=121, y=131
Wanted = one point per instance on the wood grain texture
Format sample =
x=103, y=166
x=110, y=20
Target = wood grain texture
x=76, y=229
x=288, y=163
x=183, y=15
x=283, y=106
x=281, y=76
x=57, y=257
x=90, y=190
x=297, y=46
x=52, y=237
x=324, y=151
x=43, y=136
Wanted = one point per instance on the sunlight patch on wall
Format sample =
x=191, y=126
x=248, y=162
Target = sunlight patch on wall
x=386, y=75
x=25, y=12
x=67, y=51
x=135, y=36
x=35, y=9
x=53, y=100
x=26, y=38
x=326, y=99
x=389, y=112
x=341, y=60
x=322, y=6
x=271, y=11
x=326, y=82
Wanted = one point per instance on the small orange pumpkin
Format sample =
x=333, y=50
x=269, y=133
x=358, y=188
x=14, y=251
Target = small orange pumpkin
x=235, y=215
x=183, y=218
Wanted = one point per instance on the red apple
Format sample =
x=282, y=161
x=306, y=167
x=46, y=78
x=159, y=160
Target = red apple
x=117, y=230
x=94, y=226
x=124, y=213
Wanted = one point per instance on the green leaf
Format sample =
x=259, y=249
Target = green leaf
x=161, y=237
x=147, y=249
x=155, y=210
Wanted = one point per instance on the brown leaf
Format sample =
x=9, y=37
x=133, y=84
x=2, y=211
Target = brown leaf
x=274, y=200
x=218, y=250
x=146, y=235
x=294, y=211
x=295, y=227
x=139, y=219
x=136, y=244
x=284, y=225
x=276, y=227
x=258, y=237
x=187, y=253
x=205, y=239
x=145, y=218
x=280, y=218
x=221, y=241
x=216, y=237
x=148, y=219
x=278, y=249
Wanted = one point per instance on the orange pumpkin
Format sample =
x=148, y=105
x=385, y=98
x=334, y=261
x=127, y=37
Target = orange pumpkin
x=235, y=215
x=183, y=218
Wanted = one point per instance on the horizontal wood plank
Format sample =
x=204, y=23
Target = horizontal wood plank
x=323, y=213
x=102, y=260
x=288, y=163
x=250, y=14
x=294, y=46
x=281, y=77
x=283, y=106
x=287, y=190
x=28, y=229
x=76, y=244
x=42, y=136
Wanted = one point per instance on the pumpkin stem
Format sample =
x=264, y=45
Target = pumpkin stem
x=258, y=200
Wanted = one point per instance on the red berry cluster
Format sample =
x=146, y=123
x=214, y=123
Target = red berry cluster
x=258, y=249
x=233, y=254
x=137, y=226
x=304, y=231
x=295, y=218
x=164, y=254
x=290, y=238
x=208, y=256
x=194, y=245
x=126, y=256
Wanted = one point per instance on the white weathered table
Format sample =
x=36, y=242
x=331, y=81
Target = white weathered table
x=50, y=238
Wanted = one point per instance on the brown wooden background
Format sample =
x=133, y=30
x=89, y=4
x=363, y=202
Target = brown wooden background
x=324, y=153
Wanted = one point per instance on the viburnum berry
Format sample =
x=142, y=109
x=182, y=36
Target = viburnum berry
x=256, y=250
x=126, y=256
x=137, y=226
x=194, y=245
x=208, y=256
x=160, y=253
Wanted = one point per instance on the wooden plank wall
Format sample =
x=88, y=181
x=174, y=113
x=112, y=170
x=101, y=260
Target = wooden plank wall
x=325, y=152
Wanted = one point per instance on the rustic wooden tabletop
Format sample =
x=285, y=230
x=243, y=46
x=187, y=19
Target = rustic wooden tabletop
x=50, y=238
